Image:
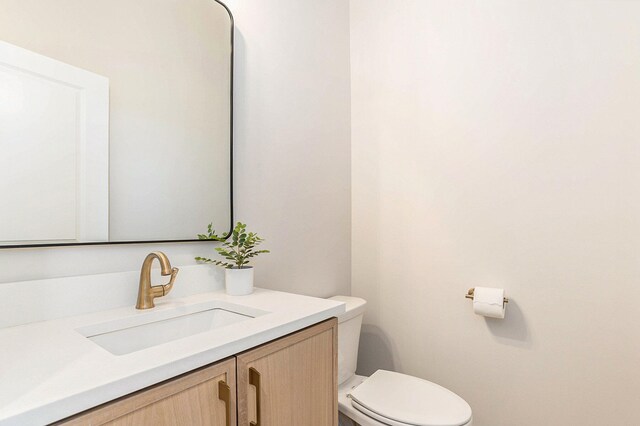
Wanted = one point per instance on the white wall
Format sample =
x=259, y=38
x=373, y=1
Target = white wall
x=293, y=140
x=496, y=143
x=291, y=156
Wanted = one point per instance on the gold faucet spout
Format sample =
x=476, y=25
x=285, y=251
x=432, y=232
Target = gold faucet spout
x=147, y=292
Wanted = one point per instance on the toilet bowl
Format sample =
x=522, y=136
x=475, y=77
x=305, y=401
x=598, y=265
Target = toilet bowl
x=387, y=398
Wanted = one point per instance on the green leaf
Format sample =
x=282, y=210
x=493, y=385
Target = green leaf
x=237, y=246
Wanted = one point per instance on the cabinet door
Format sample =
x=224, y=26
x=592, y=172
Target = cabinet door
x=203, y=397
x=291, y=381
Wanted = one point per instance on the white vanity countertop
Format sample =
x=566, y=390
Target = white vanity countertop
x=49, y=371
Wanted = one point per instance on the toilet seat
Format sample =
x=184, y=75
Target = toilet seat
x=381, y=419
x=400, y=400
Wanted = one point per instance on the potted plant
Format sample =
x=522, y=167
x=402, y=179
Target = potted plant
x=237, y=248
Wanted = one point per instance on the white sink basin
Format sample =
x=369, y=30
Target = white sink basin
x=143, y=331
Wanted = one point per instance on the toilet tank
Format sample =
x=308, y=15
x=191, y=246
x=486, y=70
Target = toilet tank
x=349, y=336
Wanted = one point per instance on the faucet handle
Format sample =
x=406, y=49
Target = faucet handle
x=167, y=287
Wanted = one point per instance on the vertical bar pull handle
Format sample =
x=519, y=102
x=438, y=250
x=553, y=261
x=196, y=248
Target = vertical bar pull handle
x=224, y=394
x=254, y=380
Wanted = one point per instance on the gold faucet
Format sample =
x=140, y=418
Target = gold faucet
x=147, y=292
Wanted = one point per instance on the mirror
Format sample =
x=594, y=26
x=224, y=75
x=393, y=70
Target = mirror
x=115, y=121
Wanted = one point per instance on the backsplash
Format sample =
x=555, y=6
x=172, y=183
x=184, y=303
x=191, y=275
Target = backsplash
x=40, y=300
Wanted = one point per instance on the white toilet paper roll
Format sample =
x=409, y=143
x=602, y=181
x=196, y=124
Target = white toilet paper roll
x=489, y=302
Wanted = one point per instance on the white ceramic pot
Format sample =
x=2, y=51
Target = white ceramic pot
x=239, y=282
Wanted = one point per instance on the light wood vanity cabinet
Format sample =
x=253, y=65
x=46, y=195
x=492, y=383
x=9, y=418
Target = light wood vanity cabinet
x=291, y=381
x=202, y=397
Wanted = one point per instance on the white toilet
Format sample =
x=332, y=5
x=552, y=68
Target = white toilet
x=386, y=397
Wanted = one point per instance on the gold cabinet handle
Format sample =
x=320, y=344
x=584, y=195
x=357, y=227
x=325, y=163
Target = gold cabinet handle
x=254, y=380
x=224, y=394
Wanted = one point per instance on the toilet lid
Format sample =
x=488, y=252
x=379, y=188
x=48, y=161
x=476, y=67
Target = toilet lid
x=408, y=400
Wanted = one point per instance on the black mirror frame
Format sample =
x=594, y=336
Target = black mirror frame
x=227, y=234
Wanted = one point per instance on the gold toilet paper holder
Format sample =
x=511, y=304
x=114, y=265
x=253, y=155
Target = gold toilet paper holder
x=469, y=295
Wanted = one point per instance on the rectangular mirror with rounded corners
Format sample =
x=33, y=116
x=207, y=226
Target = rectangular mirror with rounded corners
x=116, y=121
